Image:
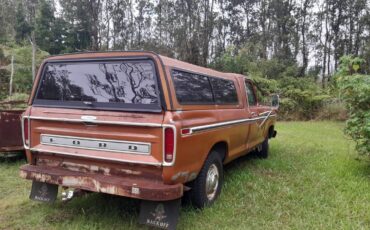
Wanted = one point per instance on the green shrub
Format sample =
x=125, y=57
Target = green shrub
x=4, y=75
x=333, y=109
x=20, y=98
x=265, y=88
x=301, y=98
x=354, y=89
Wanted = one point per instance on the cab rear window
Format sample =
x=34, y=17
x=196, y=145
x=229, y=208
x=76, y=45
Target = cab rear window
x=122, y=85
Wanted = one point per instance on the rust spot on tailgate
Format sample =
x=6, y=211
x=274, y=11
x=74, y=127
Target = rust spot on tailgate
x=98, y=167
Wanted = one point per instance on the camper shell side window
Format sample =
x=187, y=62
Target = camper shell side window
x=198, y=89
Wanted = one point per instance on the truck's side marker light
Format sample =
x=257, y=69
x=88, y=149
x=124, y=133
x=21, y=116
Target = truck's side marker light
x=185, y=131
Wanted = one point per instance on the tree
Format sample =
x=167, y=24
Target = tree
x=288, y=33
x=304, y=15
x=83, y=27
x=7, y=19
x=143, y=22
x=22, y=26
x=45, y=22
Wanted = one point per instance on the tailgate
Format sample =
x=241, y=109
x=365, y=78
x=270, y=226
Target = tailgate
x=103, y=135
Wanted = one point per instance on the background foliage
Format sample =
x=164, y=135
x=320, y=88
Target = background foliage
x=302, y=98
x=290, y=47
x=22, y=80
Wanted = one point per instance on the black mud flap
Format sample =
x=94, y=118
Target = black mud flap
x=160, y=214
x=44, y=192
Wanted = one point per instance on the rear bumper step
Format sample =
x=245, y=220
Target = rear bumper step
x=138, y=188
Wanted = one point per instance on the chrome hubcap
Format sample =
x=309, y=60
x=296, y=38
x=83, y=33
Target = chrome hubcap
x=212, y=182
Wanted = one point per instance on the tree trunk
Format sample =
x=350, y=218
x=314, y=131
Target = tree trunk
x=131, y=25
x=11, y=77
x=303, y=34
x=34, y=48
x=94, y=10
x=263, y=27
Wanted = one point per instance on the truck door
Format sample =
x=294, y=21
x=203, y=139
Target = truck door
x=255, y=135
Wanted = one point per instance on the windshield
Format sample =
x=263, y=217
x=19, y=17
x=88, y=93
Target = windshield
x=100, y=84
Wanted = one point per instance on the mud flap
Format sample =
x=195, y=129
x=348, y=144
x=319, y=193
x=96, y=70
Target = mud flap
x=44, y=192
x=160, y=214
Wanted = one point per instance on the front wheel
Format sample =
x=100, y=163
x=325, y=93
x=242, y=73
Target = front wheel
x=207, y=187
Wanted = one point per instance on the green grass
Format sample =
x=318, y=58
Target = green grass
x=312, y=180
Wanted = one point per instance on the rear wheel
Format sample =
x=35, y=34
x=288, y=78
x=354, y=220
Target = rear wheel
x=263, y=151
x=207, y=186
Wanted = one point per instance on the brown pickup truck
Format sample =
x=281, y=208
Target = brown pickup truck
x=140, y=125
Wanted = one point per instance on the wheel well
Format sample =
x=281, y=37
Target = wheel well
x=271, y=131
x=221, y=148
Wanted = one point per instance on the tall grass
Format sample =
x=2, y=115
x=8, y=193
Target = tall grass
x=312, y=180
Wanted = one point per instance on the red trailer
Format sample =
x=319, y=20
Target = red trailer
x=10, y=127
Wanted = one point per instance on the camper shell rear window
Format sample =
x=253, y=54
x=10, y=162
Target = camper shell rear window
x=129, y=85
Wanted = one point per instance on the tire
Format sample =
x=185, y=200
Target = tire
x=201, y=194
x=263, y=153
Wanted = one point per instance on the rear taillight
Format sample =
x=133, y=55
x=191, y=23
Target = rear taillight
x=169, y=145
x=26, y=131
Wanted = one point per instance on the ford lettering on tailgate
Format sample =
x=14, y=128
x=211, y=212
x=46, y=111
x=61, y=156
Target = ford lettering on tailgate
x=96, y=144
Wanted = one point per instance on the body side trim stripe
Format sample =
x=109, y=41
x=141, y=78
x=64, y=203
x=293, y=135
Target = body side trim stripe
x=193, y=129
x=227, y=123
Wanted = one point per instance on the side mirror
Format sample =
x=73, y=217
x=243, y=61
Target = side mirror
x=275, y=101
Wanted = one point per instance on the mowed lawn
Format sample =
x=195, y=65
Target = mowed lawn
x=312, y=180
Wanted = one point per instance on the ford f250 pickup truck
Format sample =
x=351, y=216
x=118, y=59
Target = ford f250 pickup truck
x=139, y=125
